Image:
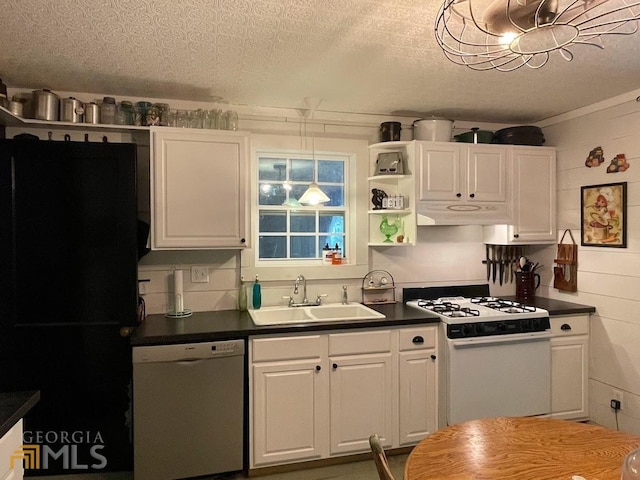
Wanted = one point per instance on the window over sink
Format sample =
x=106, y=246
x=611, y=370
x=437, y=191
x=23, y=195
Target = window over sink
x=288, y=238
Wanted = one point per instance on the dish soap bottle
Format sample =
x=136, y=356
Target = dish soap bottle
x=257, y=294
x=242, y=296
x=327, y=254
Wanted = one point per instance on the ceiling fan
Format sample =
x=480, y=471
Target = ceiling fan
x=508, y=34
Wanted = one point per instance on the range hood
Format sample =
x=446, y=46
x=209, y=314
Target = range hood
x=435, y=213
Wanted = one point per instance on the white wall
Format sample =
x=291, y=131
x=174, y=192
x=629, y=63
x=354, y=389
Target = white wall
x=608, y=278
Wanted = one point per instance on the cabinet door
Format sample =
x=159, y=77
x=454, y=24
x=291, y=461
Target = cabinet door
x=199, y=189
x=10, y=444
x=361, y=389
x=534, y=203
x=417, y=395
x=289, y=411
x=569, y=377
x=440, y=176
x=486, y=173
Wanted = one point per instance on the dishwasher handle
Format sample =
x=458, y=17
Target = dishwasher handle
x=188, y=352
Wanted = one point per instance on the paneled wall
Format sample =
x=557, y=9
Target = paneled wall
x=608, y=278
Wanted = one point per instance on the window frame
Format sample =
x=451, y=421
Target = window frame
x=317, y=210
x=356, y=154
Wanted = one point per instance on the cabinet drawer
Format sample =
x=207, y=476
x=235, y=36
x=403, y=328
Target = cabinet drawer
x=579, y=325
x=418, y=338
x=286, y=348
x=359, y=342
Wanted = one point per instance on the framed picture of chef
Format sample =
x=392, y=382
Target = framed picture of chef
x=604, y=215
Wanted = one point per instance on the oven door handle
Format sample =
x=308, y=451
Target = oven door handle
x=496, y=339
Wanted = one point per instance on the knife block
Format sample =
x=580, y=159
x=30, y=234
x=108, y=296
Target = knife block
x=565, y=272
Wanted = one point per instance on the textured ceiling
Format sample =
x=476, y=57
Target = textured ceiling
x=362, y=56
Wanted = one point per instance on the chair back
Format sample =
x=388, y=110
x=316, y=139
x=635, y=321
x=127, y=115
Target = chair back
x=380, y=458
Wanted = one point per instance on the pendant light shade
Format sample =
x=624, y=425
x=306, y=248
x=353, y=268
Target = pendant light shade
x=313, y=195
x=505, y=35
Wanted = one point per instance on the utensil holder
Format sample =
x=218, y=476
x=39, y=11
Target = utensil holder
x=526, y=285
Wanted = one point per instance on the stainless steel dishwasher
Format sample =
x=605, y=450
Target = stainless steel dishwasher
x=188, y=409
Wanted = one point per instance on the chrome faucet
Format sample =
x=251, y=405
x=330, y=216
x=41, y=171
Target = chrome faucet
x=299, y=279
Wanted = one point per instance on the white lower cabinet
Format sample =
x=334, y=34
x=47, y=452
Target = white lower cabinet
x=417, y=387
x=569, y=367
x=317, y=396
x=10, y=445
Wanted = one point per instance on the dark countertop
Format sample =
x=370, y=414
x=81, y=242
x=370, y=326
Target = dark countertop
x=556, y=307
x=231, y=324
x=227, y=324
x=14, y=406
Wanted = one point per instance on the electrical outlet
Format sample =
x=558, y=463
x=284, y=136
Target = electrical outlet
x=617, y=395
x=199, y=274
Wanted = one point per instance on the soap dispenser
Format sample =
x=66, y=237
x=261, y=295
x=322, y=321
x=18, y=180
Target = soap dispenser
x=257, y=294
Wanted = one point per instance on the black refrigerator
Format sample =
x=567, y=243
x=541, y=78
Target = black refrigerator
x=68, y=292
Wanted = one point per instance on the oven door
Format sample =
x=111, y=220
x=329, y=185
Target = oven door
x=502, y=375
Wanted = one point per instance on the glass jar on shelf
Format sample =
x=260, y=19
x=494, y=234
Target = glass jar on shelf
x=154, y=115
x=108, y=110
x=141, y=109
x=126, y=113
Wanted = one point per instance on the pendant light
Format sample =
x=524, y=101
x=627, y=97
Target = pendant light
x=508, y=34
x=313, y=195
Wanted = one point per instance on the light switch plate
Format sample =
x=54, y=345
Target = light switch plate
x=199, y=274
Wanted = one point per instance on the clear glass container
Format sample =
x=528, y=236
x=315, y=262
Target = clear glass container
x=108, y=110
x=126, y=113
x=154, y=115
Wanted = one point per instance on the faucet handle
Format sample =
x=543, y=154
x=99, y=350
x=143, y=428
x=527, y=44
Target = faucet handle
x=320, y=297
x=289, y=298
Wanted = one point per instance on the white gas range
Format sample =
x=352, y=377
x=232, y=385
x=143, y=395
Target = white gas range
x=485, y=316
x=496, y=352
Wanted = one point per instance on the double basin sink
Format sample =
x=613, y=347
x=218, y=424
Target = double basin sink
x=331, y=312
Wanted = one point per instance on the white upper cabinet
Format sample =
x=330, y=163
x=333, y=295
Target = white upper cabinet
x=458, y=184
x=199, y=189
x=533, y=202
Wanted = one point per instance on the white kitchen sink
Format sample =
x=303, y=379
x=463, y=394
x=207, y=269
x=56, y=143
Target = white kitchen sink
x=331, y=312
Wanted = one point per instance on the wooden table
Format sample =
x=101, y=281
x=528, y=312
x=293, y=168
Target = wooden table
x=520, y=448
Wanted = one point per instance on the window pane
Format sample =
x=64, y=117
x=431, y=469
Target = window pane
x=332, y=223
x=272, y=169
x=273, y=247
x=271, y=194
x=297, y=191
x=303, y=247
x=273, y=222
x=335, y=194
x=303, y=222
x=329, y=171
x=302, y=170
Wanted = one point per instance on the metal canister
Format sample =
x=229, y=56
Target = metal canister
x=45, y=105
x=91, y=113
x=71, y=110
x=16, y=108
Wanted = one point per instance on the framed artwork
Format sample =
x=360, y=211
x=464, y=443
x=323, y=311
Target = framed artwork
x=604, y=215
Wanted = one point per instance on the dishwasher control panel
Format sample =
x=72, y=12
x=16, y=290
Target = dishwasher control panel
x=188, y=351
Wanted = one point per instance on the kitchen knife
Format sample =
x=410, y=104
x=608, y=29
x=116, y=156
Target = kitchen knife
x=500, y=257
x=488, y=263
x=493, y=263
x=512, y=251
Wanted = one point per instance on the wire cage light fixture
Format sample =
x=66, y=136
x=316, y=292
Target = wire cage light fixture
x=505, y=35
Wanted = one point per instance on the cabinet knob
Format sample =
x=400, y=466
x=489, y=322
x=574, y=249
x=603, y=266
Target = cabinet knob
x=516, y=235
x=433, y=357
x=472, y=195
x=458, y=195
x=565, y=326
x=243, y=240
x=418, y=339
x=318, y=368
x=334, y=366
